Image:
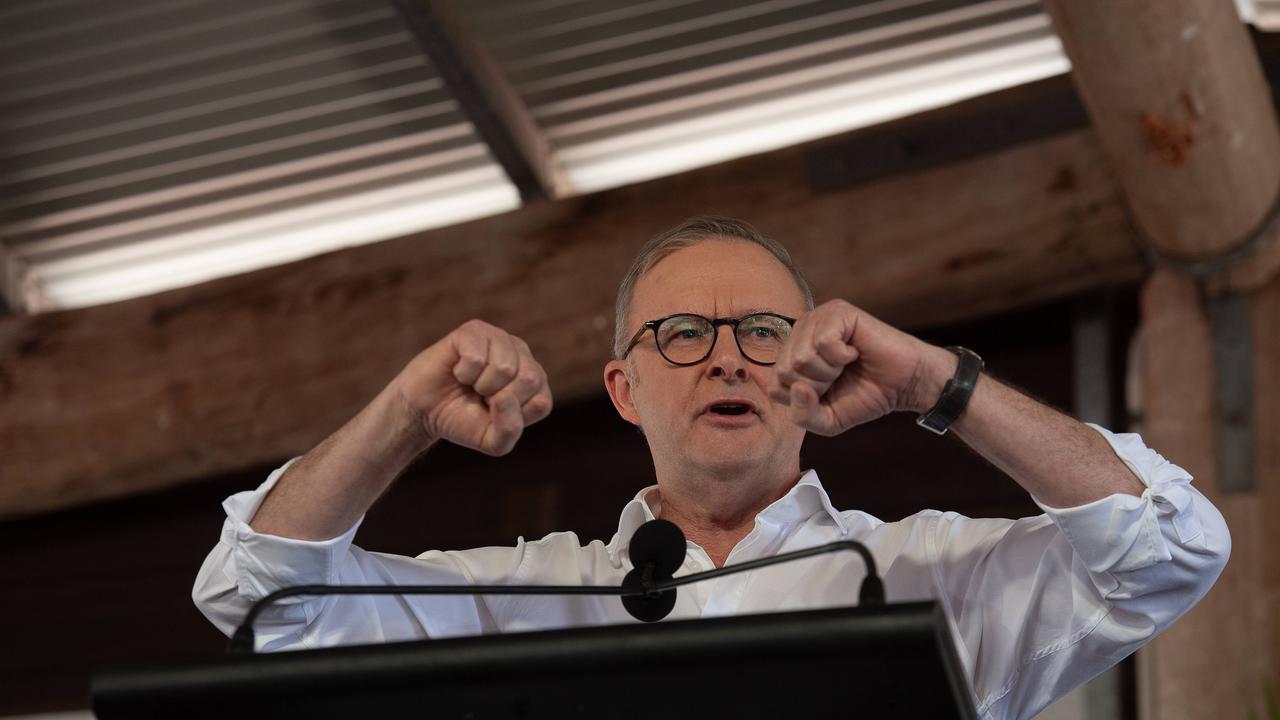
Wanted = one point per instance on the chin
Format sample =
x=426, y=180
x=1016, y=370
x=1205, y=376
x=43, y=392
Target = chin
x=731, y=463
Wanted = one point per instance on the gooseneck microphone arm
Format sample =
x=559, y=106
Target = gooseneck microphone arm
x=870, y=593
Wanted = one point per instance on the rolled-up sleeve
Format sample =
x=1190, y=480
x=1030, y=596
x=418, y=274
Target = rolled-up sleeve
x=1043, y=604
x=1172, y=530
x=246, y=565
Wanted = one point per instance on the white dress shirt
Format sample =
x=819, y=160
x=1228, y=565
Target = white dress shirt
x=1039, y=604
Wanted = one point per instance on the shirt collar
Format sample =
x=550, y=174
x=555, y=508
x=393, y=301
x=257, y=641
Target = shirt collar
x=801, y=502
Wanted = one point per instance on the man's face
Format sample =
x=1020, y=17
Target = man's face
x=715, y=279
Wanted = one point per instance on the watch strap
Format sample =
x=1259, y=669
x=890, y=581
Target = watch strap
x=955, y=394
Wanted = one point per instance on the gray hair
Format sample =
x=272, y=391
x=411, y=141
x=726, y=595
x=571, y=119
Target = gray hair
x=688, y=233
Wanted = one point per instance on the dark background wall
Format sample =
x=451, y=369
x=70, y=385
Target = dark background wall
x=111, y=583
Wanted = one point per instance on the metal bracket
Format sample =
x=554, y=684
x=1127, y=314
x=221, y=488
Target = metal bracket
x=1233, y=383
x=1092, y=330
x=1243, y=249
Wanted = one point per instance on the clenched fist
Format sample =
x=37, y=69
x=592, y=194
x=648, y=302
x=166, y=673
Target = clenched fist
x=478, y=387
x=841, y=367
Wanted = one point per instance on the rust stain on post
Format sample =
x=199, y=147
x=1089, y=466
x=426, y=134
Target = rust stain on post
x=1171, y=140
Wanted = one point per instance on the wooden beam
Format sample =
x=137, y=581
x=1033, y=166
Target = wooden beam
x=1177, y=412
x=486, y=97
x=1214, y=662
x=170, y=388
x=1176, y=92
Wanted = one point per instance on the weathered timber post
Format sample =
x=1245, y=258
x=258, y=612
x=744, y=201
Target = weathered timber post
x=1177, y=96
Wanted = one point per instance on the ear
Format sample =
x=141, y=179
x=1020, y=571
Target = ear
x=619, y=387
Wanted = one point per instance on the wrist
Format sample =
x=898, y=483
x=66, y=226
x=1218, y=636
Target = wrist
x=936, y=366
x=401, y=425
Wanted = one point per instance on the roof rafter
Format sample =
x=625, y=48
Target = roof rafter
x=16, y=297
x=487, y=97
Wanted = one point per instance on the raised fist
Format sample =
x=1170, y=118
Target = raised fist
x=842, y=367
x=478, y=387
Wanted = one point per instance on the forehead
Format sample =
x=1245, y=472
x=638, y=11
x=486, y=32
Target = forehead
x=717, y=278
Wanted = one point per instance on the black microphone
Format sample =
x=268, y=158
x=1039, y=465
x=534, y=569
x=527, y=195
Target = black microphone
x=647, y=591
x=657, y=552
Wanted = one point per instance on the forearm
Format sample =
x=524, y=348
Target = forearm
x=1054, y=457
x=329, y=488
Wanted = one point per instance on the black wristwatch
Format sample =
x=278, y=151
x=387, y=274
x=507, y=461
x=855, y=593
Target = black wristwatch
x=955, y=394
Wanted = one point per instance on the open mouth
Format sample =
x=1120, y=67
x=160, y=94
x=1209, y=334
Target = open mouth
x=729, y=409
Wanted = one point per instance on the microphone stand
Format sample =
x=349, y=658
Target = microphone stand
x=871, y=592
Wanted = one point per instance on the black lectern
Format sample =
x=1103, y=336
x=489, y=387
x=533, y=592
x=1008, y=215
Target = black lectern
x=891, y=661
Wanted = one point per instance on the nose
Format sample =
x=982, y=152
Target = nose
x=726, y=360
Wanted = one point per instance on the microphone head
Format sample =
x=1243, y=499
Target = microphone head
x=646, y=606
x=659, y=542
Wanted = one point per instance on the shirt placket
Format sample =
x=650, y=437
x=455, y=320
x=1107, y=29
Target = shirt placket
x=725, y=596
x=696, y=561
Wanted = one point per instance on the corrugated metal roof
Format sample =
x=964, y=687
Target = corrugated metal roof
x=146, y=144
x=632, y=90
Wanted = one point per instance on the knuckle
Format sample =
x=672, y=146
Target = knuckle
x=468, y=369
x=526, y=382
x=830, y=340
x=539, y=407
x=503, y=368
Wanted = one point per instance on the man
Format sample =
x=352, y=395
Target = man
x=724, y=364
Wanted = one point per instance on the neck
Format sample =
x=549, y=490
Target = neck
x=717, y=514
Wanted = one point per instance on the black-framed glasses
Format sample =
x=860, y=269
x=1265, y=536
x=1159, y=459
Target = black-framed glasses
x=688, y=339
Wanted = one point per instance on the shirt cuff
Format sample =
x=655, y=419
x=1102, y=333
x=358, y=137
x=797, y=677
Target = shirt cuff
x=1121, y=532
x=264, y=563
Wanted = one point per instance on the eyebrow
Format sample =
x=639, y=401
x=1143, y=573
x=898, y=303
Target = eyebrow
x=744, y=313
x=755, y=310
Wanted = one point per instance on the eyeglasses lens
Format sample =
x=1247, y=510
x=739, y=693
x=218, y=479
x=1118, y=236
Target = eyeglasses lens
x=761, y=337
x=685, y=338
